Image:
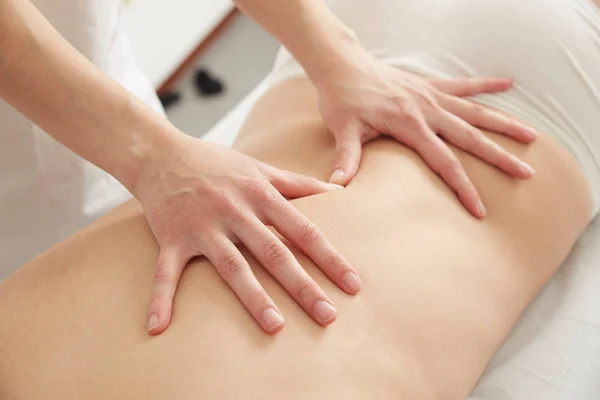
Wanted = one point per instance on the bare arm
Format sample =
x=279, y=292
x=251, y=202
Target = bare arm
x=50, y=82
x=308, y=29
x=197, y=197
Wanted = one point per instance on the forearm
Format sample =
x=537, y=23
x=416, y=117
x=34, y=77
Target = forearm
x=308, y=29
x=52, y=84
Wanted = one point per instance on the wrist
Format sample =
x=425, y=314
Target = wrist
x=343, y=56
x=148, y=152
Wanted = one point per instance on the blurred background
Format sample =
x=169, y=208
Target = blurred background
x=203, y=57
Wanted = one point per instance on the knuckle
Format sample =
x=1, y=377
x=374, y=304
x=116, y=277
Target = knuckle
x=410, y=117
x=163, y=276
x=426, y=98
x=474, y=138
x=236, y=213
x=369, y=135
x=254, y=185
x=165, y=232
x=495, y=147
x=306, y=290
x=335, y=261
x=224, y=202
x=230, y=265
x=275, y=253
x=233, y=211
x=499, y=155
x=477, y=110
x=260, y=190
x=309, y=232
x=451, y=163
x=400, y=101
x=412, y=120
x=268, y=198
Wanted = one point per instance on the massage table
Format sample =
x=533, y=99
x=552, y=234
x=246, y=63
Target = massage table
x=553, y=352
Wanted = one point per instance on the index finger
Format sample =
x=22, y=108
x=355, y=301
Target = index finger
x=170, y=265
x=304, y=234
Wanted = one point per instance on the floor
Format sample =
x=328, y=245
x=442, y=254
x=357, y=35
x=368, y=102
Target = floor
x=240, y=57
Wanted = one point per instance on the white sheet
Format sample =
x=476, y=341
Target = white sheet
x=553, y=353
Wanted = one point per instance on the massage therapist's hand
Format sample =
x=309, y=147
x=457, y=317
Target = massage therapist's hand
x=201, y=198
x=364, y=98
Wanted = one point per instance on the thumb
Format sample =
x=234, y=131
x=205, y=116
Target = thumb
x=295, y=186
x=168, y=272
x=348, y=151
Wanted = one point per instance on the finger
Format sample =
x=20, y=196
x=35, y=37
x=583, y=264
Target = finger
x=295, y=186
x=298, y=229
x=348, y=151
x=438, y=156
x=471, y=86
x=485, y=118
x=169, y=267
x=279, y=261
x=472, y=140
x=236, y=272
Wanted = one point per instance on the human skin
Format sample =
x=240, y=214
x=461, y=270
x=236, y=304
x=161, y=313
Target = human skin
x=183, y=182
x=51, y=83
x=442, y=289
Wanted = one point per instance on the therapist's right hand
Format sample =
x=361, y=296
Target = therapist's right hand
x=201, y=199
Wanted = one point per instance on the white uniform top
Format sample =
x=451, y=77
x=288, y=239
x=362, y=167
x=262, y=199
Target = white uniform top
x=46, y=191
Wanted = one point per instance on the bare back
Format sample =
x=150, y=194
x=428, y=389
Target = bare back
x=441, y=289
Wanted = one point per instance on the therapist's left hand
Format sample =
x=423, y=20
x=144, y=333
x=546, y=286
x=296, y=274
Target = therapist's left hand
x=362, y=98
x=202, y=199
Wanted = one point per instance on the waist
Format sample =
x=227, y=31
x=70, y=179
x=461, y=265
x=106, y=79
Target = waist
x=441, y=292
x=391, y=339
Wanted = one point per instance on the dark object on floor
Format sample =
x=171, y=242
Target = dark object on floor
x=207, y=84
x=169, y=98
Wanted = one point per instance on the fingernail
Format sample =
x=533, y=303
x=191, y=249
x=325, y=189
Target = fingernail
x=352, y=282
x=336, y=186
x=528, y=169
x=337, y=176
x=272, y=318
x=481, y=209
x=152, y=322
x=532, y=132
x=325, y=311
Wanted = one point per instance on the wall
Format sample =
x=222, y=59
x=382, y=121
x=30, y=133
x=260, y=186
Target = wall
x=163, y=33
